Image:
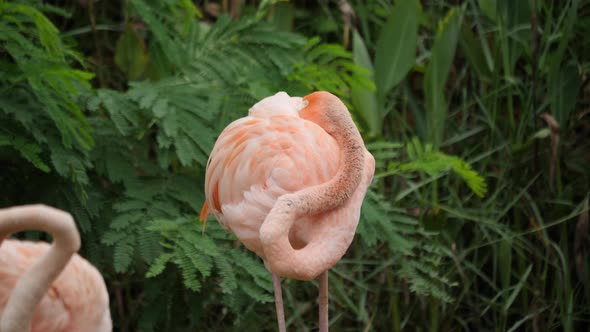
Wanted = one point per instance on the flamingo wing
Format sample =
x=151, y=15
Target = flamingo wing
x=257, y=159
x=15, y=258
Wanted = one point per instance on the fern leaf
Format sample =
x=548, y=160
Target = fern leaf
x=110, y=238
x=405, y=237
x=159, y=264
x=255, y=292
x=148, y=244
x=228, y=277
x=123, y=112
x=28, y=150
x=189, y=271
x=199, y=260
x=123, y=254
x=424, y=159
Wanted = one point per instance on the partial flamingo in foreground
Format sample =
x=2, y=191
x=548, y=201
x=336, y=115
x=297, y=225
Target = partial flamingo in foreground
x=48, y=288
x=289, y=180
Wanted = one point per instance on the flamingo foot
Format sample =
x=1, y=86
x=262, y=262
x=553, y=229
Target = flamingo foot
x=276, y=282
x=324, y=302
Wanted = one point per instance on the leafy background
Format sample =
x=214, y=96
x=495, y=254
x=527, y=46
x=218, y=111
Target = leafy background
x=476, y=111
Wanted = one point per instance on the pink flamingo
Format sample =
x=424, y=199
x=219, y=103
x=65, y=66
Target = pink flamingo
x=289, y=180
x=48, y=288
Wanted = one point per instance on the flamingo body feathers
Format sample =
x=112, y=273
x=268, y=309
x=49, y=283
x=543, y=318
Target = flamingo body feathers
x=76, y=301
x=274, y=151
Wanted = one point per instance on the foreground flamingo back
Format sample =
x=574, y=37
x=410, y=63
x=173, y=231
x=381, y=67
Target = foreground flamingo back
x=77, y=300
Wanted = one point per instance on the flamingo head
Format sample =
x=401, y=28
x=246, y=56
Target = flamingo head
x=325, y=109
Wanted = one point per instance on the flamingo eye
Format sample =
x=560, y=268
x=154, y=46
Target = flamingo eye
x=302, y=105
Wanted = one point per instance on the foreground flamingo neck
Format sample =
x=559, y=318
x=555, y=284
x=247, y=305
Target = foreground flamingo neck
x=33, y=284
x=329, y=113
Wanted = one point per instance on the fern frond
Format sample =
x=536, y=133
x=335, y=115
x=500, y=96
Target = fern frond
x=329, y=67
x=123, y=113
x=418, y=256
x=201, y=261
x=159, y=265
x=69, y=163
x=189, y=271
x=123, y=253
x=254, y=291
x=228, y=276
x=28, y=150
x=148, y=245
x=34, y=45
x=422, y=158
x=210, y=254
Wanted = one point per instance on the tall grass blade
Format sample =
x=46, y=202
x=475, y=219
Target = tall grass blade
x=518, y=288
x=437, y=73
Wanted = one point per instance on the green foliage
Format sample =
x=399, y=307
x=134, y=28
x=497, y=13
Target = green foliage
x=422, y=158
x=131, y=54
x=436, y=75
x=395, y=55
x=38, y=94
x=28, y=150
x=396, y=48
x=417, y=255
x=328, y=67
x=364, y=100
x=114, y=119
x=41, y=69
x=199, y=254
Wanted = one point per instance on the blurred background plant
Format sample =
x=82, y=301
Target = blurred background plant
x=476, y=111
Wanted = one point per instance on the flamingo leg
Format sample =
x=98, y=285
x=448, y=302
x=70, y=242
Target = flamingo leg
x=324, y=302
x=276, y=282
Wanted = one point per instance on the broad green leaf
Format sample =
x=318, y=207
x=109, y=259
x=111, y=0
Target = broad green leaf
x=364, y=99
x=281, y=13
x=396, y=47
x=515, y=14
x=564, y=89
x=437, y=73
x=514, y=24
x=131, y=54
x=474, y=52
x=488, y=8
x=565, y=93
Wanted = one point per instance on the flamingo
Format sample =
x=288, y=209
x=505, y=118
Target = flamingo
x=289, y=180
x=48, y=288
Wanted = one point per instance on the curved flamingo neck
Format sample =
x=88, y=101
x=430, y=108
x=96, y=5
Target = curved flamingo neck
x=330, y=113
x=306, y=263
x=35, y=282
